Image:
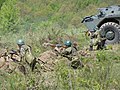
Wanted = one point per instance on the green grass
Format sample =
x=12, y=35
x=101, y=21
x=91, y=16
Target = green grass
x=102, y=73
x=41, y=19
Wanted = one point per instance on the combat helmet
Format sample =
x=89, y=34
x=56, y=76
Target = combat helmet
x=20, y=42
x=68, y=43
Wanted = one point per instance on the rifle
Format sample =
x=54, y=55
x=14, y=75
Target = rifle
x=54, y=45
x=13, y=52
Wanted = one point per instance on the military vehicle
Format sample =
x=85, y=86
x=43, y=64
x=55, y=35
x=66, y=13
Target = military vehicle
x=107, y=21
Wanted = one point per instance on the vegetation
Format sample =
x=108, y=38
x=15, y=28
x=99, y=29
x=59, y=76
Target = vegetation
x=9, y=16
x=37, y=20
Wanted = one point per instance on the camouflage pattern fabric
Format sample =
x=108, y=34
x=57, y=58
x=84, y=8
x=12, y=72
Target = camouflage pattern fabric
x=25, y=53
x=73, y=57
x=97, y=40
x=93, y=38
x=100, y=42
x=13, y=61
x=69, y=51
x=27, y=59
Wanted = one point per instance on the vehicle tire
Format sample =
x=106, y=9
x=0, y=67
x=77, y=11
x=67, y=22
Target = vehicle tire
x=111, y=31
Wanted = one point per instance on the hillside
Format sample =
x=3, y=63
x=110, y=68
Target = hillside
x=36, y=21
x=61, y=13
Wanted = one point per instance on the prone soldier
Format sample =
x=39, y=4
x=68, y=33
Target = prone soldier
x=69, y=51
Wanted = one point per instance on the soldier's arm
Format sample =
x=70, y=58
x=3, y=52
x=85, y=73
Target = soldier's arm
x=48, y=44
x=22, y=51
x=65, y=54
x=103, y=38
x=16, y=52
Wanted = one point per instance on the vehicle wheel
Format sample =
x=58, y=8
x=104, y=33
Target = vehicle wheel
x=111, y=31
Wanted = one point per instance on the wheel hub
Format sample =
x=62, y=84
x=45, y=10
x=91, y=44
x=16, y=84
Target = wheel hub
x=110, y=35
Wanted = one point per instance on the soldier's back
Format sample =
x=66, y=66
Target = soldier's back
x=25, y=51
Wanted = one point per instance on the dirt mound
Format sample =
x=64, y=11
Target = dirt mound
x=47, y=60
x=3, y=52
x=46, y=56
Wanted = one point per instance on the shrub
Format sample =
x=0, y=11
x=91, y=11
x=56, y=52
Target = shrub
x=9, y=16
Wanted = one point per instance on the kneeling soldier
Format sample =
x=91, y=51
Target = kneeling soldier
x=26, y=56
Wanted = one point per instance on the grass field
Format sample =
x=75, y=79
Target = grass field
x=103, y=73
x=59, y=20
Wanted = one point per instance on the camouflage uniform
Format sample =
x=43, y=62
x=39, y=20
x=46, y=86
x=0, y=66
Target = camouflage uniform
x=27, y=59
x=69, y=51
x=97, y=40
x=100, y=41
x=72, y=55
x=25, y=53
x=93, y=37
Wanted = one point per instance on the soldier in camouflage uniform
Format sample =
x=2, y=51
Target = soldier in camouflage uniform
x=27, y=59
x=100, y=41
x=70, y=52
x=97, y=40
x=93, y=37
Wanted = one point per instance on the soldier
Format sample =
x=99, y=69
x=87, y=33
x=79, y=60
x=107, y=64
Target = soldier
x=27, y=59
x=93, y=36
x=55, y=47
x=99, y=41
x=70, y=52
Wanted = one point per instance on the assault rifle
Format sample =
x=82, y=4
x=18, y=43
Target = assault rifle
x=13, y=52
x=54, y=45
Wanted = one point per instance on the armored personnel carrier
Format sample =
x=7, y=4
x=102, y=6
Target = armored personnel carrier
x=107, y=21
